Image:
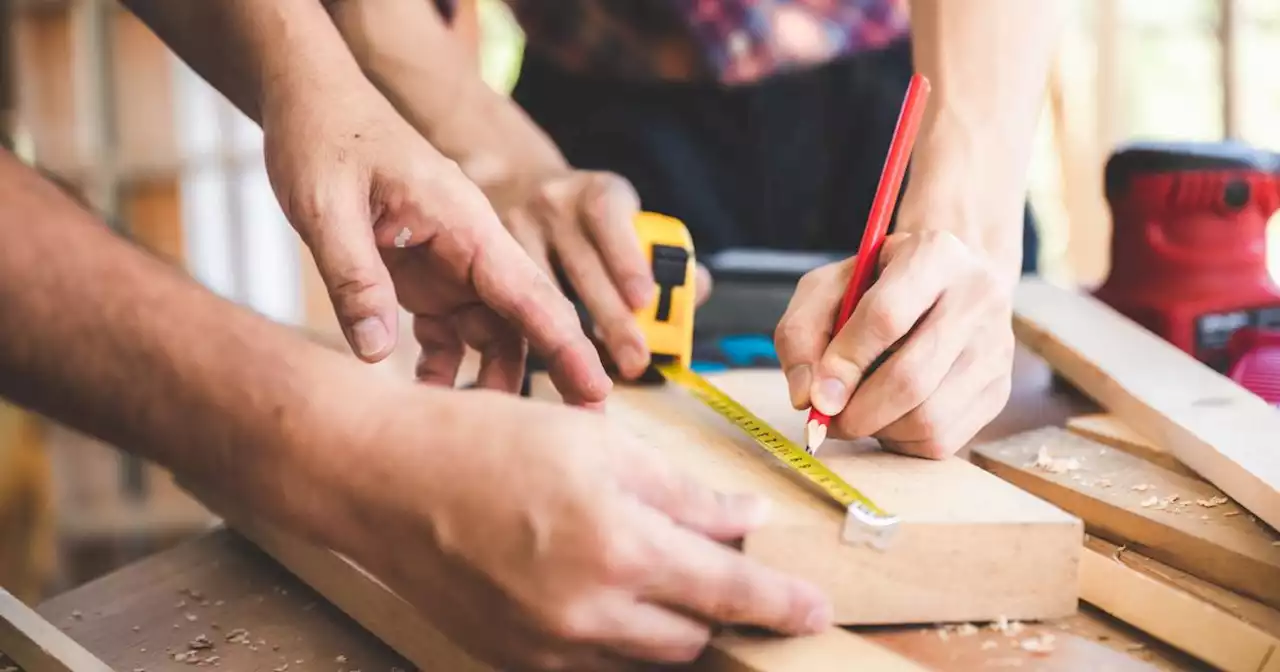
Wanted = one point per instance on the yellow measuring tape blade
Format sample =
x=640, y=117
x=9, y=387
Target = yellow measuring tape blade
x=864, y=521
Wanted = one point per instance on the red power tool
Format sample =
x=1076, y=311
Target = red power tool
x=1188, y=245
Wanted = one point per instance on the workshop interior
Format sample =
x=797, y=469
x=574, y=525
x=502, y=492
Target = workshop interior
x=1155, y=183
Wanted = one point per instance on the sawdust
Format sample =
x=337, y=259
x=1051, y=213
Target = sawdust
x=1041, y=644
x=1142, y=487
x=201, y=642
x=1102, y=483
x=340, y=659
x=989, y=644
x=1006, y=627
x=1230, y=513
x=1211, y=502
x=1054, y=465
x=1149, y=502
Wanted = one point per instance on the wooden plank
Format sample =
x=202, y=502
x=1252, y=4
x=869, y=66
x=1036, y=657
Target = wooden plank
x=36, y=645
x=1108, y=429
x=1223, y=432
x=970, y=547
x=1109, y=489
x=1148, y=596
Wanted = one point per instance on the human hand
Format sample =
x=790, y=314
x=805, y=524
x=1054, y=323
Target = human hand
x=544, y=537
x=387, y=217
x=943, y=314
x=585, y=222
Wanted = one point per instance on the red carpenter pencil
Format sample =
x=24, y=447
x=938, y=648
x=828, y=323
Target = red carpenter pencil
x=886, y=198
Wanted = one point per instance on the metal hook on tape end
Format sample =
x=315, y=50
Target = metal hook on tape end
x=865, y=527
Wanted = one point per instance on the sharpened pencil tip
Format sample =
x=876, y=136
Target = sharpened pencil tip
x=814, y=434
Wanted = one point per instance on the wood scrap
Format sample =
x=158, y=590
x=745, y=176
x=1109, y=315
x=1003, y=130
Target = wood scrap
x=36, y=645
x=1207, y=623
x=970, y=547
x=1178, y=520
x=1108, y=429
x=1223, y=432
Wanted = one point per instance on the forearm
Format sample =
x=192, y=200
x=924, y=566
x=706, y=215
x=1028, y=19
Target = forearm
x=252, y=51
x=98, y=335
x=988, y=63
x=406, y=49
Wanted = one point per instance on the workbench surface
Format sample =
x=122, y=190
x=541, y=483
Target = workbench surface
x=254, y=616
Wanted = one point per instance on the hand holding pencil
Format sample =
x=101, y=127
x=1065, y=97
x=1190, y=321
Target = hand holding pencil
x=918, y=357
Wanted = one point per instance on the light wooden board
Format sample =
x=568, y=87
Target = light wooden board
x=1208, y=623
x=1220, y=543
x=1108, y=429
x=38, y=646
x=971, y=547
x=1226, y=434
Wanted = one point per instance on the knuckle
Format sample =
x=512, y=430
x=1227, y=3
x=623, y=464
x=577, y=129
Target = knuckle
x=910, y=384
x=575, y=622
x=621, y=558
x=789, y=334
x=887, y=320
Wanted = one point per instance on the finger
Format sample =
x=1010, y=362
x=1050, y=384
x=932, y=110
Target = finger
x=442, y=351
x=621, y=627
x=502, y=350
x=687, y=501
x=703, y=284
x=947, y=403
x=616, y=323
x=608, y=210
x=910, y=285
x=507, y=280
x=914, y=371
x=805, y=329
x=943, y=440
x=713, y=582
x=340, y=236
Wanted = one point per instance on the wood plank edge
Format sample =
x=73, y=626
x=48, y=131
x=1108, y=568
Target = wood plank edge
x=1084, y=425
x=1176, y=617
x=36, y=645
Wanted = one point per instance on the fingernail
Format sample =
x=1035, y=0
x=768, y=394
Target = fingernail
x=370, y=336
x=820, y=618
x=829, y=398
x=754, y=509
x=639, y=292
x=799, y=380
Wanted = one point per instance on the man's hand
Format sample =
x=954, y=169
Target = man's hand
x=584, y=221
x=945, y=315
x=388, y=217
x=543, y=537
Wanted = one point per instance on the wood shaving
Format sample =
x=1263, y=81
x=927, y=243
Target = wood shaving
x=200, y=642
x=942, y=634
x=1211, y=502
x=1054, y=465
x=76, y=614
x=340, y=659
x=1142, y=487
x=238, y=636
x=989, y=644
x=1103, y=483
x=966, y=630
x=1041, y=644
x=1149, y=502
x=1230, y=513
x=191, y=617
x=1135, y=647
x=1004, y=626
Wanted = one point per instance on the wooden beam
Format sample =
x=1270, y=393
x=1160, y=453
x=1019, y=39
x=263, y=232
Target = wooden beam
x=1217, y=428
x=1180, y=610
x=36, y=645
x=970, y=547
x=1128, y=501
x=1108, y=429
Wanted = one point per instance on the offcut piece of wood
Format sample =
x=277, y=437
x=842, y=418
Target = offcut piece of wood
x=970, y=547
x=1223, y=432
x=1108, y=429
x=393, y=620
x=1208, y=622
x=1127, y=500
x=36, y=645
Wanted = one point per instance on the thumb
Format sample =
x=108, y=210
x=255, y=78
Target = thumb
x=806, y=327
x=690, y=503
x=358, y=282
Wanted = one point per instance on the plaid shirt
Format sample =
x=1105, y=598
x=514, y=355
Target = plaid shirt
x=730, y=41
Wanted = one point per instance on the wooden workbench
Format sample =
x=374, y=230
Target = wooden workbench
x=140, y=616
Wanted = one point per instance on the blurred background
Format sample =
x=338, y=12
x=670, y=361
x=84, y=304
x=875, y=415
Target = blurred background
x=91, y=96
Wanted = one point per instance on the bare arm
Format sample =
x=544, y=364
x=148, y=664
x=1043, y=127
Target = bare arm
x=988, y=62
x=99, y=335
x=253, y=52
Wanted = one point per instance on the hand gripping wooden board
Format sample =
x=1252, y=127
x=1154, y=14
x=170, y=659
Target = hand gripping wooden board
x=970, y=547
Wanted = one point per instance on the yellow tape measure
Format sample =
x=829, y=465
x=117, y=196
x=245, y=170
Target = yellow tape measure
x=667, y=323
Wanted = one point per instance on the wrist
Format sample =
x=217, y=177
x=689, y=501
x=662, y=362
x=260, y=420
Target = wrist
x=987, y=218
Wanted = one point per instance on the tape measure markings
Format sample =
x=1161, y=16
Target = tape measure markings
x=865, y=521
